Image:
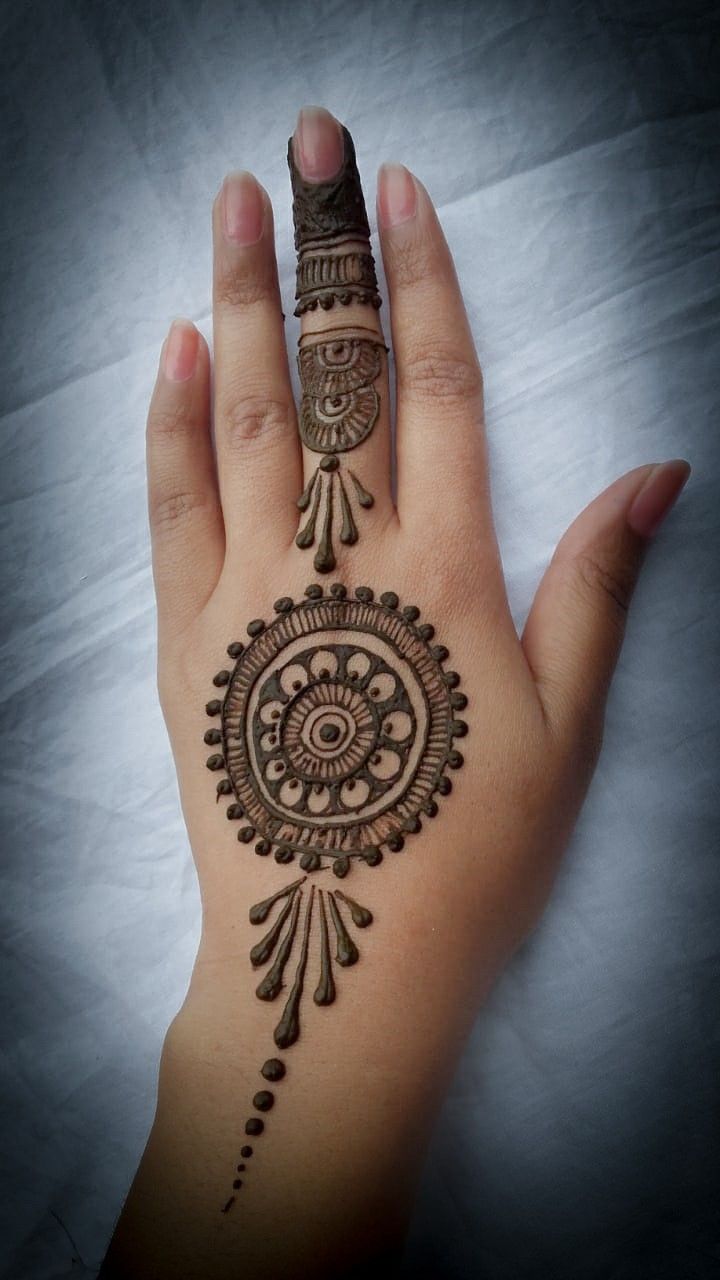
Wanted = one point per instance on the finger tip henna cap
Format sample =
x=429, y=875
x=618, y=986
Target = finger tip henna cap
x=332, y=210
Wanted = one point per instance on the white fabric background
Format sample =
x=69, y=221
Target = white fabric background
x=572, y=150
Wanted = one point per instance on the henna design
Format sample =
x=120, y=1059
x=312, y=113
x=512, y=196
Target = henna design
x=327, y=215
x=338, y=728
x=338, y=411
x=340, y=405
x=324, y=278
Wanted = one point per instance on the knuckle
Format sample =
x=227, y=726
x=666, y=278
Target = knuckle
x=171, y=511
x=247, y=419
x=166, y=421
x=235, y=288
x=412, y=263
x=612, y=583
x=441, y=374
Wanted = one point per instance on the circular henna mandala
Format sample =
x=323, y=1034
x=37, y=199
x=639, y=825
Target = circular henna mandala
x=338, y=725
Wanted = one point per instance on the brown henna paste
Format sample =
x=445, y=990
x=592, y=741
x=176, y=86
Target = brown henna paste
x=338, y=729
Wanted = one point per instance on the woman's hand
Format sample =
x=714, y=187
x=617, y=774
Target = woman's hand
x=364, y=1078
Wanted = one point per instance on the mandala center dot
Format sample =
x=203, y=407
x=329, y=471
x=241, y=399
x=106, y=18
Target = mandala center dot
x=329, y=733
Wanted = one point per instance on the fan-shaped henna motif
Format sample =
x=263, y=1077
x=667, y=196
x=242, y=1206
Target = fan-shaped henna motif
x=339, y=409
x=339, y=366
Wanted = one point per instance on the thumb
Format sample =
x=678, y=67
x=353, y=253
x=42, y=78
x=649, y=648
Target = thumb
x=575, y=628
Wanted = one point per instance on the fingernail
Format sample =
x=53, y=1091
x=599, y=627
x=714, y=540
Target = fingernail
x=181, y=351
x=318, y=144
x=657, y=496
x=397, y=195
x=242, y=206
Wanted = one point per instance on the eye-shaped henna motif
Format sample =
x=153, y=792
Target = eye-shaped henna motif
x=338, y=730
x=333, y=369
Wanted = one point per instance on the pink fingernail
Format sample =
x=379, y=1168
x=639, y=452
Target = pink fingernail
x=318, y=144
x=657, y=496
x=397, y=195
x=181, y=351
x=242, y=206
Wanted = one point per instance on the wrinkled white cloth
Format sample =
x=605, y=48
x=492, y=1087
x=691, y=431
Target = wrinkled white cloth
x=572, y=151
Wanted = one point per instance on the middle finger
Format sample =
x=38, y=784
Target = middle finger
x=344, y=416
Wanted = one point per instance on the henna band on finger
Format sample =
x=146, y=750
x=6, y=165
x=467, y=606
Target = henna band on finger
x=324, y=278
x=338, y=369
x=338, y=411
x=331, y=216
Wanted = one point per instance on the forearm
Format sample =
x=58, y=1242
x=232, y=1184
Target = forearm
x=331, y=1177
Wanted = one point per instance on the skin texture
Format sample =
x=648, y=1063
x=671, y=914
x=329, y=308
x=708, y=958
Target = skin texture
x=334, y=1164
